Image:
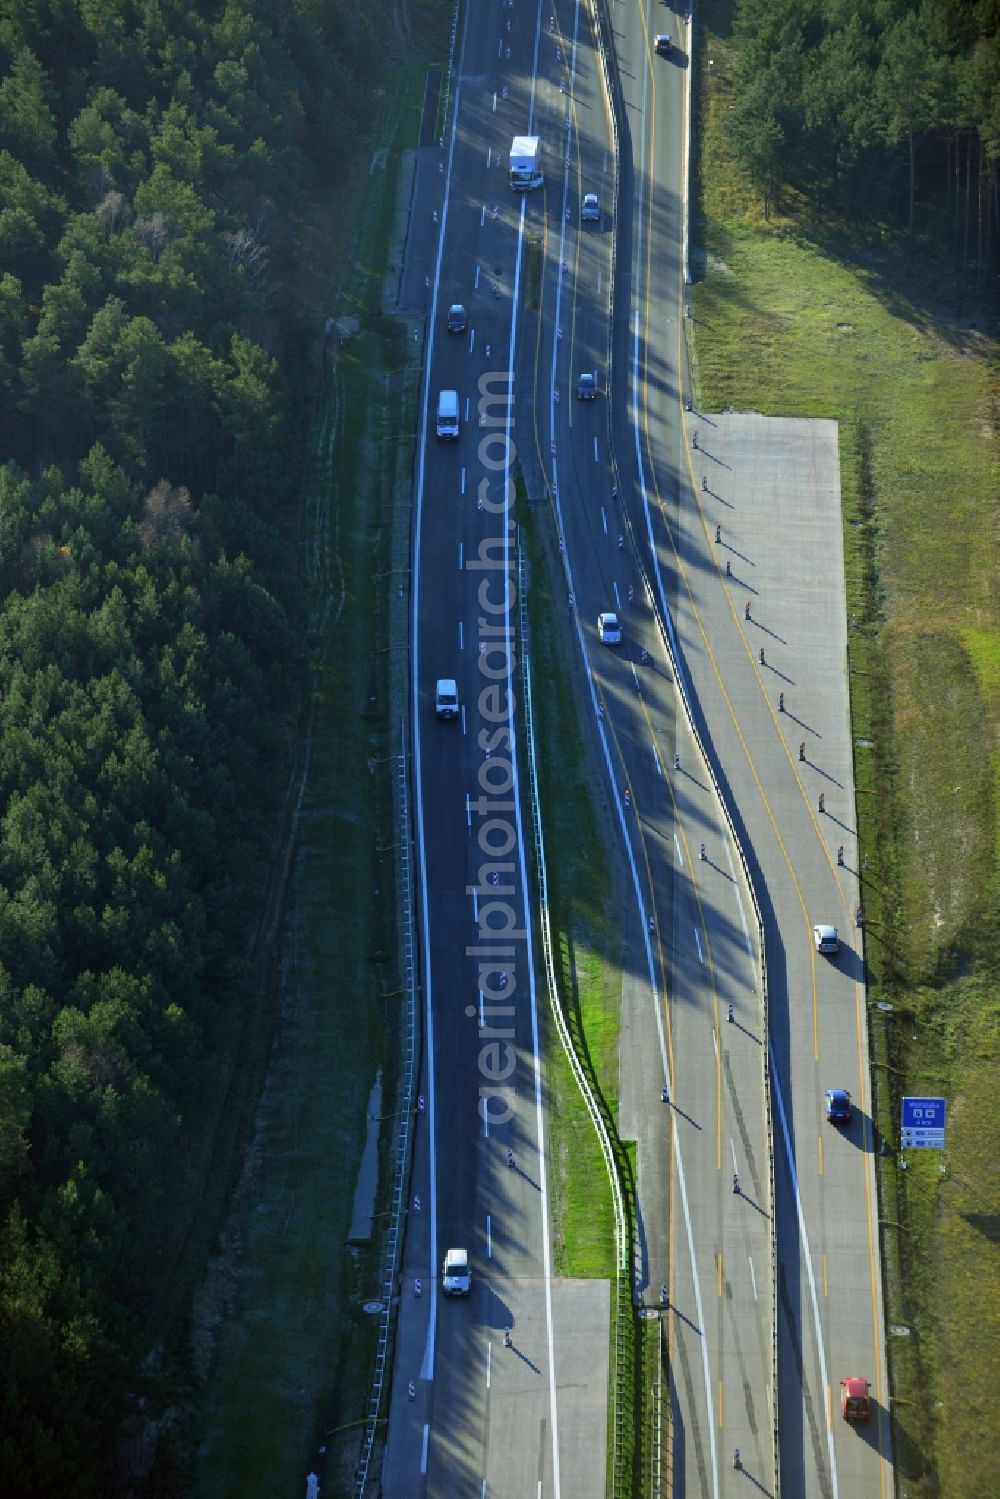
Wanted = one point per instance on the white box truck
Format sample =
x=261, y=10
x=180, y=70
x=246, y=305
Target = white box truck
x=447, y=415
x=526, y=163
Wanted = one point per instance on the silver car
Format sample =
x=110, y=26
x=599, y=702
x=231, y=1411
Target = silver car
x=826, y=939
x=456, y=1276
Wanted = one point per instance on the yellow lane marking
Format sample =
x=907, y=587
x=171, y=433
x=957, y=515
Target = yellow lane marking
x=696, y=615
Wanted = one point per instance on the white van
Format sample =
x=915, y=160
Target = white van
x=446, y=704
x=456, y=1277
x=447, y=417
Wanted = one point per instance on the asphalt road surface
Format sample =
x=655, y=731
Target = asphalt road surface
x=704, y=1179
x=782, y=719
x=470, y=1415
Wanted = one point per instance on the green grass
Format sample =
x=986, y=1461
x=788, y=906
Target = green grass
x=532, y=296
x=585, y=930
x=293, y=1342
x=293, y=1275
x=785, y=325
x=585, y=919
x=653, y=1379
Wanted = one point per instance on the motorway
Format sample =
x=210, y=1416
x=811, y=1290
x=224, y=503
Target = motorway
x=634, y=531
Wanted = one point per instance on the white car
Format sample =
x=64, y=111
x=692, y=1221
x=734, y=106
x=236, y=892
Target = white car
x=826, y=939
x=590, y=213
x=609, y=630
x=456, y=1276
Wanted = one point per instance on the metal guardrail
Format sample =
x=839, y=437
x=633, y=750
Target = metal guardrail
x=404, y=1137
x=450, y=70
x=623, y=1236
x=616, y=106
x=665, y=631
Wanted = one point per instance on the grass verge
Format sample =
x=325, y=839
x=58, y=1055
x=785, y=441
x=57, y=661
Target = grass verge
x=786, y=323
x=585, y=929
x=585, y=920
x=292, y=1342
x=653, y=1422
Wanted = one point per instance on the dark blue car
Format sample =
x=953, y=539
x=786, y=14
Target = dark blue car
x=838, y=1106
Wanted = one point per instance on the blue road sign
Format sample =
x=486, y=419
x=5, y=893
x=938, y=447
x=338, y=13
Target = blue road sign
x=922, y=1124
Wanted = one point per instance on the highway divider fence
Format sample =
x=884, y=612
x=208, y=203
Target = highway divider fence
x=601, y=10
x=396, y=1230
x=668, y=640
x=444, y=104
x=623, y=1339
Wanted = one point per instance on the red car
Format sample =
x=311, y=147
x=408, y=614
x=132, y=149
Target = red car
x=855, y=1400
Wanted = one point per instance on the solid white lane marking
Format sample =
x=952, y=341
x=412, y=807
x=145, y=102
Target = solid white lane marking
x=739, y=903
x=709, y=1422
x=696, y=1280
x=807, y=1256
x=427, y=1362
